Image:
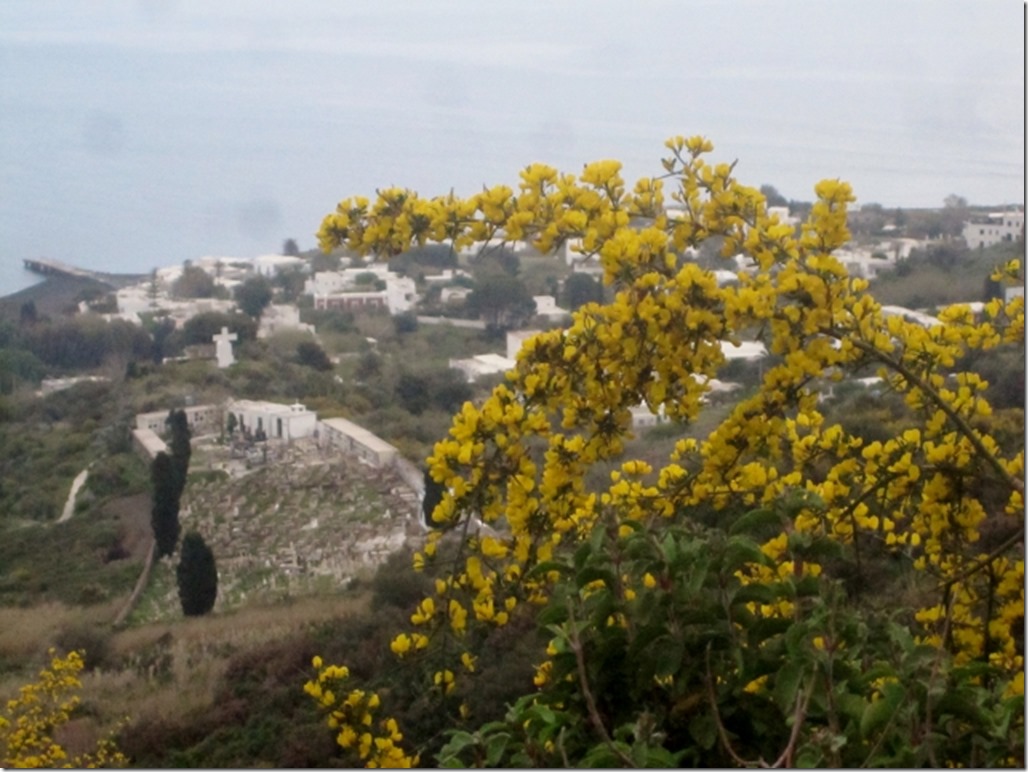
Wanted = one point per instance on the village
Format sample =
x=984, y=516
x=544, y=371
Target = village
x=291, y=500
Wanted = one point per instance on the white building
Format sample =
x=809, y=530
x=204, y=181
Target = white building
x=482, y=365
x=272, y=265
x=862, y=262
x=546, y=306
x=148, y=444
x=202, y=419
x=996, y=227
x=448, y=276
x=356, y=440
x=275, y=420
x=516, y=339
x=747, y=349
x=276, y=319
x=347, y=290
x=910, y=315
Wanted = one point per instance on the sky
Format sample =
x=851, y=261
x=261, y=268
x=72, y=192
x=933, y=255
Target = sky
x=146, y=132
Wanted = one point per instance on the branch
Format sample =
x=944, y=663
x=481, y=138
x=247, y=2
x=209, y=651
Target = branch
x=785, y=760
x=962, y=425
x=722, y=733
x=980, y=563
x=590, y=702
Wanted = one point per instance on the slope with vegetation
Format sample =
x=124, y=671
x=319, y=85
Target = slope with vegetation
x=812, y=574
x=713, y=610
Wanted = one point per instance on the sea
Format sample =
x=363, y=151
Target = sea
x=143, y=133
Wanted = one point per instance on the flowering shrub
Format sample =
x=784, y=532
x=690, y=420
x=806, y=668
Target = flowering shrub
x=696, y=612
x=29, y=721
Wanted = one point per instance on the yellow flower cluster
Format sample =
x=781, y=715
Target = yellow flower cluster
x=28, y=722
x=376, y=743
x=519, y=461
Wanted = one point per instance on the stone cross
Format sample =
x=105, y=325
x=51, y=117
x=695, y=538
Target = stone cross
x=223, y=347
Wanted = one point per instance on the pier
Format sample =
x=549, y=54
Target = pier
x=42, y=265
x=46, y=267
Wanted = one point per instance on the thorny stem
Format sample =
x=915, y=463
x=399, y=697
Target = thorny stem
x=590, y=702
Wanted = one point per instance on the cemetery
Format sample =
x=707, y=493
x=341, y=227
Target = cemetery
x=311, y=519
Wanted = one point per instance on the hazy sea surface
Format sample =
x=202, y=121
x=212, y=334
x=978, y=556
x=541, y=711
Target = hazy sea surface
x=141, y=134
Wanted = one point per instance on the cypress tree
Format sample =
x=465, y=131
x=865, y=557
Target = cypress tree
x=197, y=576
x=433, y=495
x=166, y=493
x=180, y=446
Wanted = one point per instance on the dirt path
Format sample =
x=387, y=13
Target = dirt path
x=69, y=505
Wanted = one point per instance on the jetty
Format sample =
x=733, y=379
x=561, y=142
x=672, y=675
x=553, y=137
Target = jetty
x=47, y=267
x=42, y=265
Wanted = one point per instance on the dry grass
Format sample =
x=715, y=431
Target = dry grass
x=168, y=671
x=27, y=633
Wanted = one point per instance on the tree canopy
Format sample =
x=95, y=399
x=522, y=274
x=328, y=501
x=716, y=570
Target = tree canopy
x=253, y=296
x=194, y=282
x=501, y=300
x=197, y=576
x=167, y=486
x=710, y=610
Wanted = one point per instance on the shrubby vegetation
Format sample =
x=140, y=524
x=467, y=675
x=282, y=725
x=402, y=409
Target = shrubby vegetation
x=29, y=723
x=788, y=589
x=944, y=274
x=813, y=572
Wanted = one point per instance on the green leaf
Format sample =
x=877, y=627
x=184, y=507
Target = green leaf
x=851, y=705
x=755, y=522
x=821, y=550
x=494, y=749
x=742, y=550
x=809, y=758
x=754, y=593
x=787, y=684
x=670, y=548
x=961, y=704
x=544, y=568
x=449, y=754
x=698, y=575
x=879, y=712
x=592, y=573
x=668, y=656
x=703, y=729
x=553, y=614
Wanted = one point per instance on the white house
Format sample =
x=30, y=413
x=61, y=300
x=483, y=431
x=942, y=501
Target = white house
x=345, y=290
x=994, y=228
x=546, y=306
x=481, y=365
x=861, y=261
x=272, y=265
x=275, y=420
